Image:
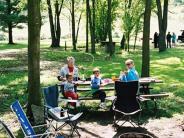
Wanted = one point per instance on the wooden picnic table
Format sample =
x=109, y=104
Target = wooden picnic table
x=83, y=86
x=142, y=81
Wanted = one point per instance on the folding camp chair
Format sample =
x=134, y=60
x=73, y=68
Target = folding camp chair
x=53, y=112
x=126, y=104
x=4, y=128
x=26, y=127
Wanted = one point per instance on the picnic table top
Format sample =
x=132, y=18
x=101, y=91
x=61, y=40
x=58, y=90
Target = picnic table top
x=145, y=80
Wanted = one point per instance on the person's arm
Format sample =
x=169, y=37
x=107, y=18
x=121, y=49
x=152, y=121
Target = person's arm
x=123, y=76
x=62, y=75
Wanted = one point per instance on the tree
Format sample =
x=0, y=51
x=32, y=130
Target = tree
x=73, y=6
x=133, y=13
x=12, y=13
x=34, y=25
x=101, y=26
x=145, y=45
x=55, y=27
x=162, y=21
x=87, y=26
x=92, y=25
x=109, y=20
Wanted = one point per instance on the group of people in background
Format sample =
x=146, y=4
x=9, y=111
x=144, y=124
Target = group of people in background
x=170, y=40
x=69, y=75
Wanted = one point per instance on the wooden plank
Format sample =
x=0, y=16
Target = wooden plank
x=155, y=95
x=89, y=89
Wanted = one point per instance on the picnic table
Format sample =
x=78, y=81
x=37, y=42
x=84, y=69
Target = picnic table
x=145, y=82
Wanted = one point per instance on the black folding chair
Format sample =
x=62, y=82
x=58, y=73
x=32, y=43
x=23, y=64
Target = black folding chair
x=53, y=112
x=126, y=105
x=4, y=129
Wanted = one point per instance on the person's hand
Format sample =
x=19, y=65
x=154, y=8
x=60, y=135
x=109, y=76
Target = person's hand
x=62, y=78
x=102, y=85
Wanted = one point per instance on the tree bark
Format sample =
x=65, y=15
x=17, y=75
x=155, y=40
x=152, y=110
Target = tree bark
x=73, y=26
x=87, y=28
x=52, y=28
x=146, y=35
x=78, y=26
x=162, y=21
x=10, y=33
x=58, y=28
x=93, y=51
x=34, y=25
x=110, y=26
x=55, y=27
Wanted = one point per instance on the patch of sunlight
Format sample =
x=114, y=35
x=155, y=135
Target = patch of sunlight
x=124, y=54
x=18, y=80
x=8, y=58
x=168, y=61
x=3, y=87
x=160, y=66
x=116, y=63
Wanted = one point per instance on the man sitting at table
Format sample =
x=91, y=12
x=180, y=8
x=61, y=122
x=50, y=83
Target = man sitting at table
x=96, y=83
x=130, y=74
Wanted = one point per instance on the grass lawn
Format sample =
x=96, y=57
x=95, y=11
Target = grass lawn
x=168, y=66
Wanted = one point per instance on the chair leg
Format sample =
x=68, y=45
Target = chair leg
x=74, y=129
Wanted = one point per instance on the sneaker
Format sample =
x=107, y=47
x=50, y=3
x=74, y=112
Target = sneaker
x=103, y=106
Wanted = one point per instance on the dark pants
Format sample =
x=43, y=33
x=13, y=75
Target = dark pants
x=168, y=44
x=100, y=94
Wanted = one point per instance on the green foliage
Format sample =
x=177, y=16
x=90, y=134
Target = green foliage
x=101, y=27
x=132, y=18
x=13, y=12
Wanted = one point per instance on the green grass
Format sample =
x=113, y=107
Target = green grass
x=168, y=66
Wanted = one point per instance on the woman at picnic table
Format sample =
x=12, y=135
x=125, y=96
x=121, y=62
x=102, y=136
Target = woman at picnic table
x=96, y=84
x=130, y=74
x=69, y=68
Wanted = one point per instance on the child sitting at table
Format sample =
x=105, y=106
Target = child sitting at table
x=69, y=90
x=96, y=83
x=131, y=74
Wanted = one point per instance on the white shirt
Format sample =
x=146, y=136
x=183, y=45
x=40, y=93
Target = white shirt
x=64, y=71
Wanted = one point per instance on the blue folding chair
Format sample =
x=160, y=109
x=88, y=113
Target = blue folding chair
x=53, y=112
x=26, y=127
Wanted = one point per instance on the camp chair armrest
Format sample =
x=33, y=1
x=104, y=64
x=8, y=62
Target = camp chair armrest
x=132, y=113
x=47, y=106
x=142, y=99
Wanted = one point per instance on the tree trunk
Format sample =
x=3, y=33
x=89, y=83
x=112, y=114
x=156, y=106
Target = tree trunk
x=162, y=21
x=57, y=22
x=78, y=26
x=55, y=28
x=145, y=45
x=93, y=51
x=110, y=26
x=73, y=26
x=52, y=28
x=34, y=25
x=87, y=28
x=10, y=35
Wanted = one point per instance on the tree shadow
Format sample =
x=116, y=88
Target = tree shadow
x=122, y=130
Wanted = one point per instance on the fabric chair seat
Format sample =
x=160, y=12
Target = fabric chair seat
x=55, y=114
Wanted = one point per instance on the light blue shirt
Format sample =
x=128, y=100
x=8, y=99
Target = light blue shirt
x=96, y=82
x=132, y=75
